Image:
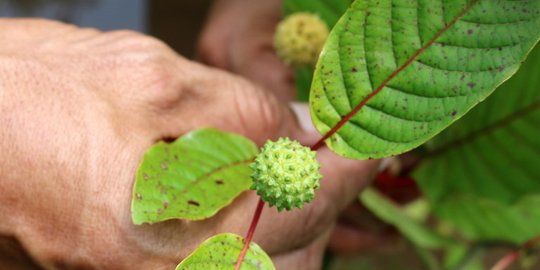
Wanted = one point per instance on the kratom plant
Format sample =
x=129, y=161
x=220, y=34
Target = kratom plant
x=391, y=75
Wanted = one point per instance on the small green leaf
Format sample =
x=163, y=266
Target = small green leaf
x=395, y=73
x=193, y=177
x=220, y=252
x=416, y=232
x=482, y=174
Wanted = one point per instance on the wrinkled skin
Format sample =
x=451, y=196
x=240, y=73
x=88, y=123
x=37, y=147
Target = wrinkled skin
x=78, y=110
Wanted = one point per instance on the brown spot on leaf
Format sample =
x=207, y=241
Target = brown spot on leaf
x=219, y=182
x=470, y=31
x=165, y=205
x=139, y=196
x=471, y=84
x=194, y=203
x=145, y=176
x=354, y=69
x=454, y=113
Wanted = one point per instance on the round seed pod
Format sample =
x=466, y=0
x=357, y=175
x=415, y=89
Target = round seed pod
x=286, y=174
x=299, y=39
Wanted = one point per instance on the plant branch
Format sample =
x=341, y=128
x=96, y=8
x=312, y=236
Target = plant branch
x=251, y=231
x=511, y=257
x=471, y=256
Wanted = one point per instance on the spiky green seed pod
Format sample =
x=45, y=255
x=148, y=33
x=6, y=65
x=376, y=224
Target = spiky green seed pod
x=299, y=39
x=286, y=174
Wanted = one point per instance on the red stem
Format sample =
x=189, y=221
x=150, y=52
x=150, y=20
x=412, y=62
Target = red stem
x=511, y=257
x=250, y=233
x=506, y=261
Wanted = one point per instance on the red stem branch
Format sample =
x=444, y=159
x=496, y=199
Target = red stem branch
x=254, y=222
x=511, y=257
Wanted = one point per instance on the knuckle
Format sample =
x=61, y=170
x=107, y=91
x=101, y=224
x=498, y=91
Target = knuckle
x=210, y=51
x=146, y=69
x=158, y=80
x=132, y=40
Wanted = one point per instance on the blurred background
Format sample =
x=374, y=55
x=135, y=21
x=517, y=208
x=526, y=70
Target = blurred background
x=178, y=23
x=175, y=22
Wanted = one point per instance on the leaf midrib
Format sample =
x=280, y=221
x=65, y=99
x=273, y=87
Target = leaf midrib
x=347, y=117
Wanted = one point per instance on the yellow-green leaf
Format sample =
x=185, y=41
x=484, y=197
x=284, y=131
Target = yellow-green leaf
x=193, y=177
x=220, y=252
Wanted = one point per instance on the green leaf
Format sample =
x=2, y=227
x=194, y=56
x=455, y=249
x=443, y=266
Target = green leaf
x=482, y=219
x=413, y=68
x=220, y=252
x=482, y=174
x=392, y=214
x=193, y=177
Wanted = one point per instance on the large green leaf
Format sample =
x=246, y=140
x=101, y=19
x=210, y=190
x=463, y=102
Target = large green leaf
x=220, y=252
x=414, y=67
x=482, y=174
x=193, y=177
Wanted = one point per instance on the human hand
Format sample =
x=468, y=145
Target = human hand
x=238, y=37
x=79, y=109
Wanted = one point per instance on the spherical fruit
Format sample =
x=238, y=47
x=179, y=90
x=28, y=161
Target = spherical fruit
x=286, y=174
x=299, y=39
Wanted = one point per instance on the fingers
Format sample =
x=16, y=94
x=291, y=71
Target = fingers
x=268, y=70
x=191, y=96
x=358, y=230
x=245, y=46
x=307, y=258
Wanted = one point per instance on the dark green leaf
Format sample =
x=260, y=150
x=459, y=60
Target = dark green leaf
x=193, y=177
x=220, y=252
x=417, y=66
x=483, y=173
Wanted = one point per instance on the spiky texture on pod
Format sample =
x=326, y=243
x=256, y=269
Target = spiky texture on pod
x=286, y=174
x=299, y=39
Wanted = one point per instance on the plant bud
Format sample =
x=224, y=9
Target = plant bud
x=286, y=174
x=299, y=39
